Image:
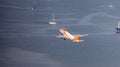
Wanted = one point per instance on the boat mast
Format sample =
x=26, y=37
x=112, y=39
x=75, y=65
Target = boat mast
x=53, y=17
x=118, y=24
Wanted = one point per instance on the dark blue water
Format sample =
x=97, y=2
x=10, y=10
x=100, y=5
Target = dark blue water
x=27, y=39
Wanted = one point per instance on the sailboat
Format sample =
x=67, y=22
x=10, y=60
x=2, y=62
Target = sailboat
x=118, y=27
x=52, y=20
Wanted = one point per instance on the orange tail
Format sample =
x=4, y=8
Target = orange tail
x=76, y=38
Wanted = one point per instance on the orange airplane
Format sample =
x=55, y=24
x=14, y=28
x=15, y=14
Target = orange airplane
x=66, y=35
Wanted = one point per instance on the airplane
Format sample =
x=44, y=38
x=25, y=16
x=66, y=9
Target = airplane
x=66, y=35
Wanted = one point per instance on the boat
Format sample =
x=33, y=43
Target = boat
x=52, y=20
x=118, y=27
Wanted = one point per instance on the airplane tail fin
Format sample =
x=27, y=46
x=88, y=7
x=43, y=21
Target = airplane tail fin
x=76, y=38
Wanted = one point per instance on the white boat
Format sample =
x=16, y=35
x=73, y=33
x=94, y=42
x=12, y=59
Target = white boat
x=118, y=27
x=52, y=20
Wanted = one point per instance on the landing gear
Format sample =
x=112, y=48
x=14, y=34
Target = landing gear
x=65, y=39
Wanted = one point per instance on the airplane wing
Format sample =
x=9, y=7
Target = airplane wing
x=84, y=35
x=79, y=41
x=62, y=36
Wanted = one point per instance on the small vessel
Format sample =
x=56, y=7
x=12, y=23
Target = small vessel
x=52, y=20
x=110, y=6
x=118, y=27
